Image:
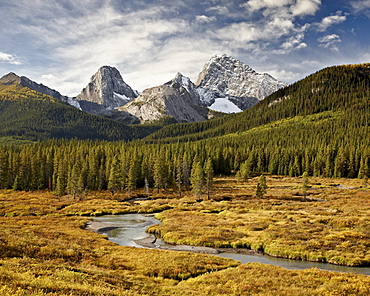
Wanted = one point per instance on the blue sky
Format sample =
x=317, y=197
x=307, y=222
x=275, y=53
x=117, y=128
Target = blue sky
x=62, y=43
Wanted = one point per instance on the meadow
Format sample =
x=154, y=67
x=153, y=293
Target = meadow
x=44, y=249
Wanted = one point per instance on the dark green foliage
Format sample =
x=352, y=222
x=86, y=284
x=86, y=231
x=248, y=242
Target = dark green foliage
x=318, y=125
x=28, y=115
x=345, y=88
x=261, y=186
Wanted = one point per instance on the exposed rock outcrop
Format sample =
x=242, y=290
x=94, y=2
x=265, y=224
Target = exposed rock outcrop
x=225, y=77
x=177, y=98
x=107, y=88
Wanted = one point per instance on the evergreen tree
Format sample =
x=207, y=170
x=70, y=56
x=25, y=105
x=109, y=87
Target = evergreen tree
x=179, y=176
x=305, y=184
x=114, y=183
x=185, y=174
x=60, y=186
x=72, y=182
x=16, y=185
x=244, y=171
x=209, y=176
x=197, y=178
x=132, y=176
x=261, y=186
x=159, y=173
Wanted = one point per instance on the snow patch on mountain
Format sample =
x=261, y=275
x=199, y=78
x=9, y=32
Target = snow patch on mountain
x=225, y=77
x=74, y=103
x=225, y=106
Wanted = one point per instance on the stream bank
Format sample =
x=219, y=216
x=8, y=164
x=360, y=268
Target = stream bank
x=130, y=230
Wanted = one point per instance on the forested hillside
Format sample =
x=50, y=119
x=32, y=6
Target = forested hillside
x=28, y=115
x=318, y=125
x=339, y=88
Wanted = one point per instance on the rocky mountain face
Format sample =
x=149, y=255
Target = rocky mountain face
x=224, y=77
x=225, y=85
x=177, y=98
x=107, y=88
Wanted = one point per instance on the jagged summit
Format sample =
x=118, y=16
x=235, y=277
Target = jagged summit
x=225, y=84
x=177, y=98
x=230, y=77
x=107, y=88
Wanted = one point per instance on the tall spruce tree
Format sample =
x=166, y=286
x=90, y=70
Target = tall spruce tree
x=261, y=186
x=304, y=184
x=197, y=178
x=208, y=170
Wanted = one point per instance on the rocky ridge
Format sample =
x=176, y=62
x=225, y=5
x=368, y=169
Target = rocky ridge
x=177, y=98
x=225, y=77
x=26, y=82
x=225, y=84
x=107, y=88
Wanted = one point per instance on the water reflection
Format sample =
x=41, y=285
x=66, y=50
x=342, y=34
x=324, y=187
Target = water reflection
x=135, y=225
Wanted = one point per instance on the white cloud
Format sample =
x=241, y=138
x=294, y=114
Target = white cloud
x=261, y=4
x=329, y=41
x=331, y=20
x=219, y=9
x=48, y=76
x=283, y=75
x=305, y=7
x=292, y=7
x=9, y=58
x=204, y=19
x=360, y=5
x=292, y=43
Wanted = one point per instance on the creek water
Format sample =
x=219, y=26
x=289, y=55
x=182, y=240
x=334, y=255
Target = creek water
x=133, y=227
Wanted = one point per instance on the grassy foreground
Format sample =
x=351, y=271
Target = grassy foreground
x=331, y=225
x=44, y=249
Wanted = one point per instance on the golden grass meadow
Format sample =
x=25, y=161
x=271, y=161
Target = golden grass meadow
x=45, y=250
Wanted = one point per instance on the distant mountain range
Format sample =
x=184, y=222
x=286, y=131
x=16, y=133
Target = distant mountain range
x=328, y=106
x=225, y=85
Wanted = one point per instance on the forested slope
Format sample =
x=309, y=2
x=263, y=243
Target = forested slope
x=334, y=88
x=29, y=115
x=319, y=125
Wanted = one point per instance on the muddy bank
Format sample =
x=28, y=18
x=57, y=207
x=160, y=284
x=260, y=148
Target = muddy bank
x=150, y=242
x=100, y=227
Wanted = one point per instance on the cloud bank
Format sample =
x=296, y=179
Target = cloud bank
x=63, y=43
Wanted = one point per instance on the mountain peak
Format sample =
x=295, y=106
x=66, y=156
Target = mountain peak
x=107, y=88
x=10, y=78
x=227, y=76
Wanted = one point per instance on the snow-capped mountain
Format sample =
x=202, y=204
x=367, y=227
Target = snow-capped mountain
x=225, y=85
x=224, y=77
x=107, y=88
x=177, y=98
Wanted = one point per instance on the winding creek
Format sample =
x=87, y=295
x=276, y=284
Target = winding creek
x=129, y=230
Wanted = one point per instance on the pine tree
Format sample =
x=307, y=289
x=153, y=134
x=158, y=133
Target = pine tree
x=60, y=186
x=132, y=176
x=179, y=176
x=159, y=173
x=244, y=171
x=197, y=178
x=209, y=176
x=261, y=186
x=185, y=174
x=16, y=185
x=305, y=184
x=114, y=183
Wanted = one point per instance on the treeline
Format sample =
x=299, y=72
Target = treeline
x=312, y=144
